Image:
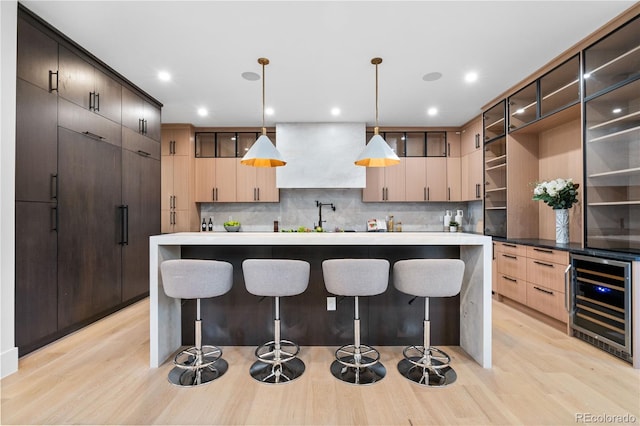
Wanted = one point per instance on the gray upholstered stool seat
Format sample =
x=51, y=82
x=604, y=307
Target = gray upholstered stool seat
x=196, y=279
x=278, y=360
x=427, y=278
x=357, y=363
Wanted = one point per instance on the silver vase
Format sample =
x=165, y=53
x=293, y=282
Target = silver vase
x=562, y=226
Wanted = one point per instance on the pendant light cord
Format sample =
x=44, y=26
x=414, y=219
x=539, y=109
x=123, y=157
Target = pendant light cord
x=263, y=62
x=376, y=62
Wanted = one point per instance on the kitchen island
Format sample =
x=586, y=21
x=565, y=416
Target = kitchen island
x=389, y=319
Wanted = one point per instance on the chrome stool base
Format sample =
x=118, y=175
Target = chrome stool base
x=427, y=367
x=188, y=358
x=359, y=366
x=282, y=372
x=190, y=377
x=358, y=375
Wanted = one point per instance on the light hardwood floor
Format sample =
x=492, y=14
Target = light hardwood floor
x=100, y=375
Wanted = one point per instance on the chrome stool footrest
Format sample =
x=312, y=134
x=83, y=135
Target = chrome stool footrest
x=358, y=365
x=192, y=358
x=197, y=376
x=428, y=367
x=266, y=353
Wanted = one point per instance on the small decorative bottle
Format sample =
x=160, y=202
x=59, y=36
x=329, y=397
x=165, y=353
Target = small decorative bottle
x=447, y=220
x=210, y=227
x=458, y=219
x=204, y=225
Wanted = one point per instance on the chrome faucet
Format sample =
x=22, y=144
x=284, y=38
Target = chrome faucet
x=319, y=206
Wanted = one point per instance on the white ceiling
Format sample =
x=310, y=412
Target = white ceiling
x=320, y=53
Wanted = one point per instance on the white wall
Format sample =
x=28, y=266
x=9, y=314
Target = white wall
x=8, y=22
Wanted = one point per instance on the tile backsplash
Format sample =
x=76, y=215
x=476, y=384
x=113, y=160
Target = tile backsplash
x=297, y=207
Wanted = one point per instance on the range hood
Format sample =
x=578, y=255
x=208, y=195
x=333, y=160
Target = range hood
x=320, y=155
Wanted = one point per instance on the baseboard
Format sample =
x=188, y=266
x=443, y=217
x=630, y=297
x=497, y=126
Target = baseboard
x=8, y=362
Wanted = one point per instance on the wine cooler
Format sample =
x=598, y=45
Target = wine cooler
x=601, y=309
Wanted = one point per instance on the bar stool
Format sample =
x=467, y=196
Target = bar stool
x=427, y=365
x=196, y=279
x=277, y=360
x=356, y=363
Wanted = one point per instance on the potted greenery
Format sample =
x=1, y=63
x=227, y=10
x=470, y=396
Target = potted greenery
x=453, y=226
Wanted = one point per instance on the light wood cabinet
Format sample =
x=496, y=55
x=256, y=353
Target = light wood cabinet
x=454, y=169
x=177, y=205
x=386, y=183
x=471, y=176
x=426, y=179
x=256, y=184
x=471, y=137
x=533, y=276
x=216, y=180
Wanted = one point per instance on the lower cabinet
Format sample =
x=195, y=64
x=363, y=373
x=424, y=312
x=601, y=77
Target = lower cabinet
x=90, y=227
x=533, y=276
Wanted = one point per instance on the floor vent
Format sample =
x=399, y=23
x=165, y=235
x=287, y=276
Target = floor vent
x=603, y=345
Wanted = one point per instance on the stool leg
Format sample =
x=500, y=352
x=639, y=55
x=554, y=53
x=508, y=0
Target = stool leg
x=277, y=365
x=352, y=364
x=426, y=365
x=200, y=364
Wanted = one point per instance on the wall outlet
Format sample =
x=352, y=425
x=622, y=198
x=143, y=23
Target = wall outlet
x=331, y=303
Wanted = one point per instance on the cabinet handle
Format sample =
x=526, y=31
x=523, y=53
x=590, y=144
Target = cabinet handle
x=258, y=189
x=124, y=236
x=144, y=127
x=448, y=193
x=428, y=195
x=172, y=147
x=54, y=218
x=91, y=100
x=386, y=190
x=509, y=245
x=96, y=107
x=93, y=135
x=170, y=201
x=424, y=194
x=51, y=88
x=543, y=290
x=448, y=153
x=174, y=201
x=140, y=126
x=213, y=194
x=143, y=153
x=567, y=279
x=543, y=250
x=513, y=280
x=477, y=140
x=54, y=186
x=548, y=265
x=508, y=256
x=174, y=217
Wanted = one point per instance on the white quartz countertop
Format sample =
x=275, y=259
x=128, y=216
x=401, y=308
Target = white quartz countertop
x=321, y=238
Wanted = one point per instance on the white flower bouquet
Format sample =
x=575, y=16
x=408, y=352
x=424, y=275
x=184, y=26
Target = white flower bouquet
x=558, y=193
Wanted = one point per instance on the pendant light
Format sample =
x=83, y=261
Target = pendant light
x=377, y=153
x=263, y=153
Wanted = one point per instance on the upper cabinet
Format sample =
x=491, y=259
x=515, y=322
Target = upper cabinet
x=612, y=141
x=86, y=86
x=37, y=57
x=523, y=106
x=140, y=115
x=494, y=122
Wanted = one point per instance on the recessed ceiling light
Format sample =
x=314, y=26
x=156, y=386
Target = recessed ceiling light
x=164, y=76
x=617, y=110
x=202, y=112
x=432, y=111
x=251, y=76
x=470, y=77
x=335, y=111
x=432, y=76
x=269, y=111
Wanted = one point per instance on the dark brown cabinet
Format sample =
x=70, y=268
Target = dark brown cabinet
x=36, y=137
x=87, y=188
x=140, y=115
x=36, y=271
x=90, y=227
x=141, y=196
x=84, y=85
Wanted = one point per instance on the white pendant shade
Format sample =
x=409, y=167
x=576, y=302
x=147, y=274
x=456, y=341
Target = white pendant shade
x=377, y=154
x=263, y=154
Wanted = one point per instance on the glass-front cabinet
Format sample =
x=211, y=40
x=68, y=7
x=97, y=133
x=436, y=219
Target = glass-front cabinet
x=560, y=88
x=523, y=106
x=612, y=141
x=495, y=190
x=494, y=122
